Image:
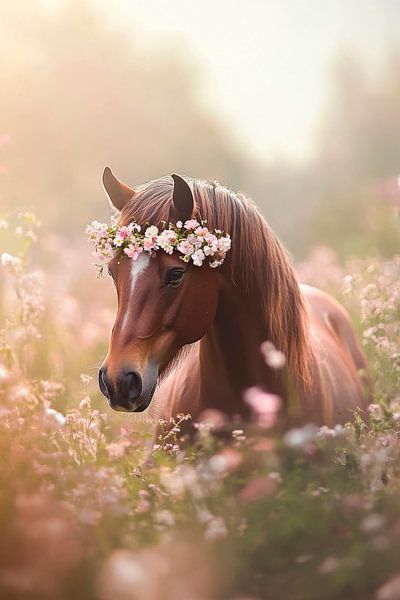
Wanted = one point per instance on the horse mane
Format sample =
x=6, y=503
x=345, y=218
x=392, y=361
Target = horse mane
x=257, y=263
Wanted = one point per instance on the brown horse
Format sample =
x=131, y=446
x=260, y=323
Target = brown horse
x=187, y=339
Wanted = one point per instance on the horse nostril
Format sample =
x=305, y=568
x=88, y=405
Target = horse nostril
x=104, y=383
x=130, y=384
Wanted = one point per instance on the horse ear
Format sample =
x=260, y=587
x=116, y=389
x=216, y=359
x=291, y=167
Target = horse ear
x=118, y=192
x=182, y=199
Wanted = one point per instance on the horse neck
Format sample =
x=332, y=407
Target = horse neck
x=230, y=356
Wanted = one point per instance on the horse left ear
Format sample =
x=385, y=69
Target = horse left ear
x=118, y=192
x=182, y=199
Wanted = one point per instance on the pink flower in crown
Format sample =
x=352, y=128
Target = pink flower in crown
x=212, y=246
x=133, y=251
x=103, y=252
x=124, y=232
x=191, y=224
x=121, y=235
x=149, y=244
x=201, y=232
x=210, y=238
x=185, y=247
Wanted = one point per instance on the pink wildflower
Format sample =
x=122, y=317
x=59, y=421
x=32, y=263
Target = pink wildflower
x=274, y=358
x=259, y=488
x=265, y=406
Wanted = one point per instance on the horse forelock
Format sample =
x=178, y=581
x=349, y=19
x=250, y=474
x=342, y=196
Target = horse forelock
x=257, y=263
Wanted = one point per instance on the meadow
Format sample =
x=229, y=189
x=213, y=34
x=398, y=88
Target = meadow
x=88, y=511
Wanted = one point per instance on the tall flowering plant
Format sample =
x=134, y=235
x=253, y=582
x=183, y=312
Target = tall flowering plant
x=192, y=239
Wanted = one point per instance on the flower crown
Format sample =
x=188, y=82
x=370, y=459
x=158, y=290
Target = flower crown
x=192, y=239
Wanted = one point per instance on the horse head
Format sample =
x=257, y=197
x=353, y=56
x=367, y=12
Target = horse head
x=164, y=303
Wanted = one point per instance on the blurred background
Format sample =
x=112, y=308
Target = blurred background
x=296, y=103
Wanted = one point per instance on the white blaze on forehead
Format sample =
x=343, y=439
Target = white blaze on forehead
x=137, y=269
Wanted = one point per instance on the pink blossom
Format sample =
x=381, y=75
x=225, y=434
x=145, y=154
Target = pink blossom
x=390, y=590
x=226, y=461
x=185, y=247
x=274, y=358
x=376, y=411
x=149, y=244
x=191, y=224
x=133, y=251
x=122, y=234
x=201, y=231
x=211, y=239
x=265, y=406
x=259, y=488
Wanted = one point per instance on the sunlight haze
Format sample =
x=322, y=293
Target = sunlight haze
x=264, y=66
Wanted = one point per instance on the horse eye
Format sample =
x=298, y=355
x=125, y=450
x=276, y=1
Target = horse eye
x=174, y=277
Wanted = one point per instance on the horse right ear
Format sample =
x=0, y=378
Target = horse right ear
x=182, y=199
x=118, y=192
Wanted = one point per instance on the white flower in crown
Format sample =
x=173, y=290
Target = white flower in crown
x=224, y=243
x=151, y=231
x=167, y=240
x=150, y=238
x=198, y=258
x=97, y=230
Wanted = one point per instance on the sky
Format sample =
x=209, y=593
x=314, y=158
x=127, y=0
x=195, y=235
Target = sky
x=265, y=65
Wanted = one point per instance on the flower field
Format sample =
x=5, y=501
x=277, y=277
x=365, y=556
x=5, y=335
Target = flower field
x=89, y=511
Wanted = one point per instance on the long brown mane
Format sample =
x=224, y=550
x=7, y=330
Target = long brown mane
x=258, y=265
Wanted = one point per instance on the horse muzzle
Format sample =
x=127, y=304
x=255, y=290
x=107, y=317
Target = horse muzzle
x=130, y=392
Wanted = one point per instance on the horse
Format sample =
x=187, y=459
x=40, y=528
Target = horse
x=188, y=339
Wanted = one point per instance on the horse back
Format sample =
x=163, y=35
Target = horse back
x=341, y=379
